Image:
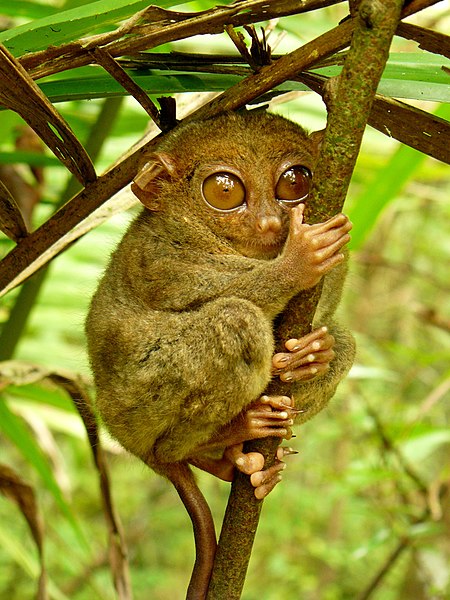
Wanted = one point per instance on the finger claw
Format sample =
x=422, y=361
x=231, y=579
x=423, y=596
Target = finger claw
x=289, y=451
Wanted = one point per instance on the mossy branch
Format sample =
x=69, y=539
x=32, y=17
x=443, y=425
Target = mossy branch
x=350, y=98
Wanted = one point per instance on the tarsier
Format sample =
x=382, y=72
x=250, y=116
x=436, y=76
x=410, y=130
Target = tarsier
x=180, y=330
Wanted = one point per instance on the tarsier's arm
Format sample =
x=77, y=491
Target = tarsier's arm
x=320, y=248
x=309, y=253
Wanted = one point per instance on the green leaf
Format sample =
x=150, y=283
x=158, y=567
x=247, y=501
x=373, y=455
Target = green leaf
x=25, y=8
x=420, y=448
x=69, y=25
x=26, y=560
x=29, y=158
x=385, y=188
x=372, y=543
x=419, y=76
x=414, y=75
x=104, y=86
x=43, y=394
x=14, y=428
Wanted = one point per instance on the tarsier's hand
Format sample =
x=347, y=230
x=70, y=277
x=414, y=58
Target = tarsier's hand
x=308, y=357
x=311, y=251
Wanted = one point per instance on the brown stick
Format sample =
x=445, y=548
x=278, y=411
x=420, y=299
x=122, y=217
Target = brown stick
x=163, y=26
x=407, y=124
x=350, y=104
x=105, y=59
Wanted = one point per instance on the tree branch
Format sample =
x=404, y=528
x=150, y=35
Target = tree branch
x=416, y=128
x=351, y=97
x=163, y=26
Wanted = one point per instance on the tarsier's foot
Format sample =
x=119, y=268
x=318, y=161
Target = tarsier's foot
x=252, y=463
x=269, y=416
x=308, y=357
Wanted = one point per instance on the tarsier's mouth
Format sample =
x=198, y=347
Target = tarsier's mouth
x=269, y=241
x=262, y=247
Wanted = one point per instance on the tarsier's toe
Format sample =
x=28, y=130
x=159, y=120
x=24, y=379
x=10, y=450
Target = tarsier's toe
x=265, y=481
x=247, y=463
x=277, y=402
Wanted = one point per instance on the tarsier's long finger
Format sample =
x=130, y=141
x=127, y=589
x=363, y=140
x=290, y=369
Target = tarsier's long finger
x=304, y=355
x=276, y=407
x=314, y=347
x=265, y=481
x=277, y=402
x=305, y=341
x=266, y=426
x=322, y=357
x=328, y=244
x=305, y=373
x=265, y=418
x=339, y=221
x=263, y=411
x=284, y=432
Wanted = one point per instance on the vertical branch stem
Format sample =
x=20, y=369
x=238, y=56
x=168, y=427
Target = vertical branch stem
x=350, y=100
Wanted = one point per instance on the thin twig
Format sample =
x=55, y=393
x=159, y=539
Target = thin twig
x=393, y=449
x=104, y=59
x=421, y=130
x=390, y=561
x=238, y=40
x=432, y=41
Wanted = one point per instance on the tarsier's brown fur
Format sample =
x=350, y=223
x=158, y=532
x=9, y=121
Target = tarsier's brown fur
x=180, y=330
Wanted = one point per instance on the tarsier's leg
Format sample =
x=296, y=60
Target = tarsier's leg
x=218, y=362
x=314, y=364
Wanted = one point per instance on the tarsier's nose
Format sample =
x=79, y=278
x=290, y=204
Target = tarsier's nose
x=268, y=224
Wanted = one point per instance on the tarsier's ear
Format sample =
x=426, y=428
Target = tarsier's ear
x=317, y=138
x=146, y=185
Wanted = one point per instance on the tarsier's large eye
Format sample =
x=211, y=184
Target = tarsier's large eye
x=224, y=191
x=293, y=185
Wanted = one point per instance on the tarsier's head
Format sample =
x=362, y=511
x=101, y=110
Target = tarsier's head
x=239, y=174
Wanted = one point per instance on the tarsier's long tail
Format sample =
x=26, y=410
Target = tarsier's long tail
x=183, y=479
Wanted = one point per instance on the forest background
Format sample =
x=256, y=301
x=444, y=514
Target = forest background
x=363, y=509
